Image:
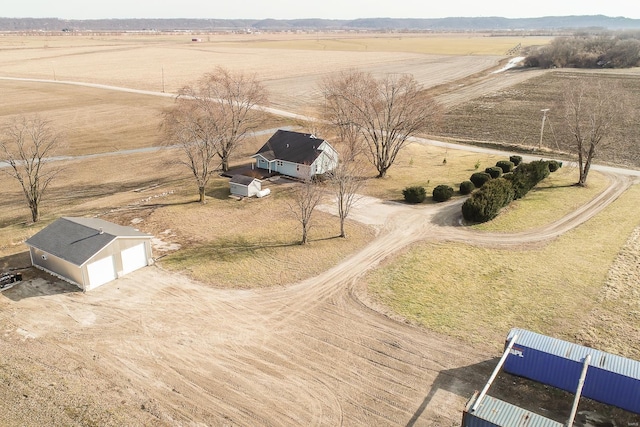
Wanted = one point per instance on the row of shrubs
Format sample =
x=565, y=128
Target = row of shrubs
x=442, y=193
x=418, y=194
x=478, y=179
x=522, y=181
x=499, y=188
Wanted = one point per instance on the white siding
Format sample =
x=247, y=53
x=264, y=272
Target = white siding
x=134, y=258
x=100, y=272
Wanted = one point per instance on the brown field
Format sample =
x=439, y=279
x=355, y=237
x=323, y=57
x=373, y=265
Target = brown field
x=304, y=342
x=512, y=115
x=290, y=68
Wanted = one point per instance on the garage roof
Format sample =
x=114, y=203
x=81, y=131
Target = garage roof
x=78, y=239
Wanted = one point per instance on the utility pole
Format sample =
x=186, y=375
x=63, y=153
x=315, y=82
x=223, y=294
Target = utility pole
x=544, y=116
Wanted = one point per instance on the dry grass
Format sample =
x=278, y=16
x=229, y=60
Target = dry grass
x=617, y=311
x=148, y=63
x=146, y=186
x=553, y=198
x=226, y=243
x=253, y=242
x=424, y=165
x=91, y=120
x=244, y=243
x=168, y=62
x=88, y=187
x=477, y=294
x=441, y=44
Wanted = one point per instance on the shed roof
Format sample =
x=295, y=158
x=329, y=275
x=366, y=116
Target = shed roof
x=78, y=239
x=599, y=359
x=243, y=179
x=295, y=147
x=501, y=413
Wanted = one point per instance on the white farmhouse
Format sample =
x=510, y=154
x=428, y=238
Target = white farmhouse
x=295, y=154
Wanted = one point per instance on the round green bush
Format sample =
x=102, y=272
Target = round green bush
x=516, y=160
x=466, y=187
x=527, y=175
x=414, y=194
x=554, y=165
x=485, y=204
x=442, y=193
x=494, y=171
x=506, y=166
x=479, y=178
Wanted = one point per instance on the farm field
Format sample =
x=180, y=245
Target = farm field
x=290, y=68
x=238, y=325
x=512, y=115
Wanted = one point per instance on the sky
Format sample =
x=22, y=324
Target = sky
x=327, y=9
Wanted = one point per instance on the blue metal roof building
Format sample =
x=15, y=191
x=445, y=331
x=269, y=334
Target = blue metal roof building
x=610, y=379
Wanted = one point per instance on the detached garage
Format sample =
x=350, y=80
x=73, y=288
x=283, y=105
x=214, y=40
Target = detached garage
x=89, y=252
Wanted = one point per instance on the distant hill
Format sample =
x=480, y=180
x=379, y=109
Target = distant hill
x=548, y=23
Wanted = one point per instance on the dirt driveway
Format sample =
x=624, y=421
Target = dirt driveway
x=155, y=348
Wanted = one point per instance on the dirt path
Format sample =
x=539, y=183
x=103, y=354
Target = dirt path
x=155, y=348
x=489, y=83
x=158, y=349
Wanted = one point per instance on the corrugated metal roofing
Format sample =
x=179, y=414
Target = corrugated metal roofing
x=606, y=361
x=500, y=413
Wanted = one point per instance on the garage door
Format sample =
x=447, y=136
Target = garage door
x=101, y=272
x=134, y=258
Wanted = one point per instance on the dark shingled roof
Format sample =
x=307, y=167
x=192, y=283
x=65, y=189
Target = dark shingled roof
x=78, y=239
x=242, y=179
x=295, y=147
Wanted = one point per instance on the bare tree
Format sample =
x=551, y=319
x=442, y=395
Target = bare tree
x=25, y=145
x=339, y=114
x=305, y=198
x=384, y=112
x=189, y=130
x=212, y=119
x=346, y=181
x=590, y=111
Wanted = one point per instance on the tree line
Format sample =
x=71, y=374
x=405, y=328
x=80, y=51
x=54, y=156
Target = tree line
x=584, y=50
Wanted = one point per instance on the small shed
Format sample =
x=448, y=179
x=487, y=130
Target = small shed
x=245, y=186
x=89, y=252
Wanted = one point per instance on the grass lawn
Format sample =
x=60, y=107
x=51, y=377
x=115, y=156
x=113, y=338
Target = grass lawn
x=424, y=165
x=253, y=242
x=478, y=294
x=553, y=198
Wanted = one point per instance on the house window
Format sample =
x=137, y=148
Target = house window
x=279, y=163
x=298, y=167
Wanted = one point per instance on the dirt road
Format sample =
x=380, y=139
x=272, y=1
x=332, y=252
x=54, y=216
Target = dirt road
x=155, y=348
